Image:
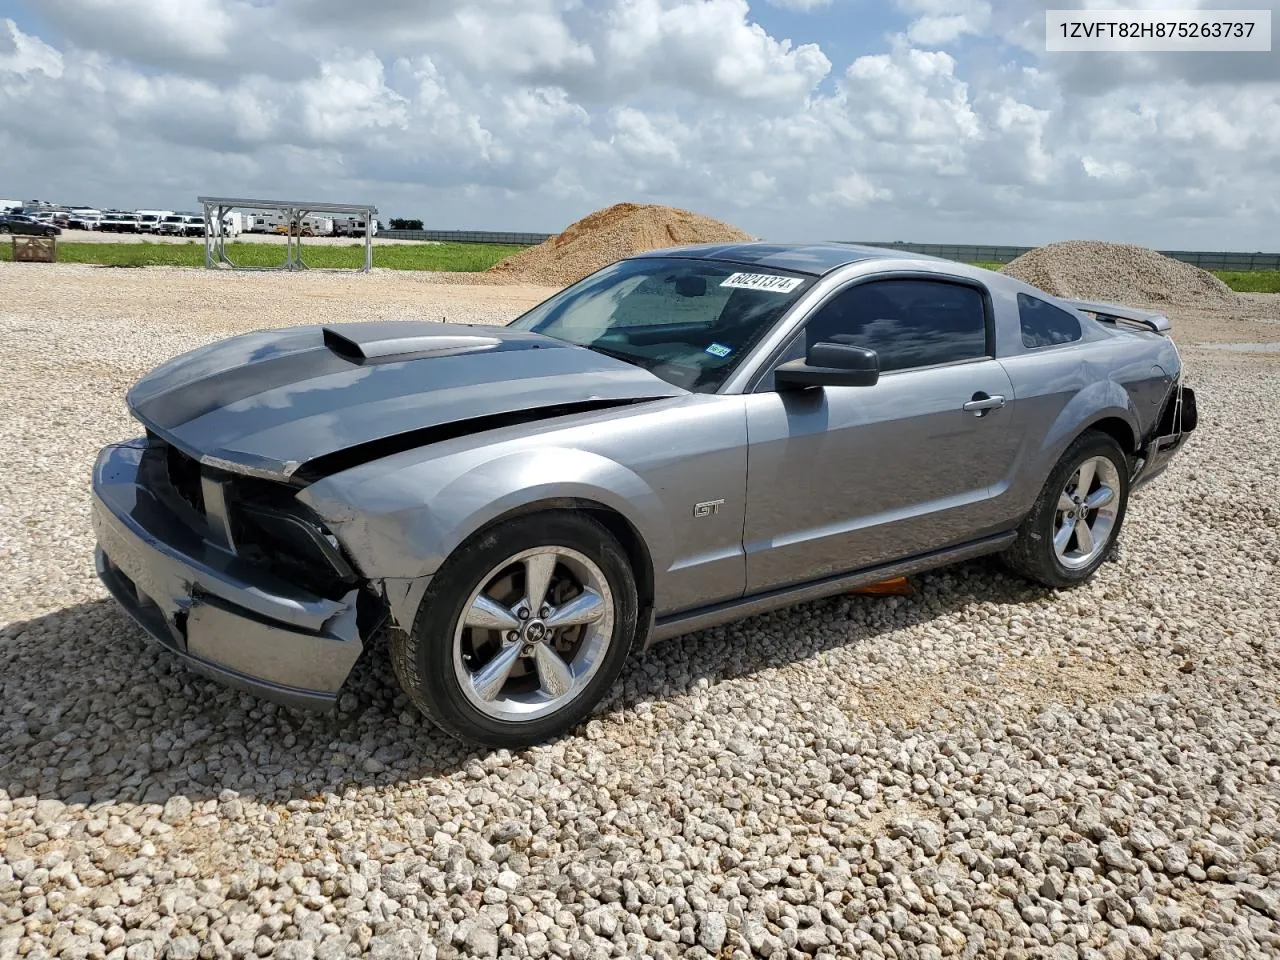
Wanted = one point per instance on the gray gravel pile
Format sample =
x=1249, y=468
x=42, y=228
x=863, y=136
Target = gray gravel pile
x=981, y=769
x=1118, y=273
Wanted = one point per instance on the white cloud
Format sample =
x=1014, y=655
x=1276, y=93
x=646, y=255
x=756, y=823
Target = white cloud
x=348, y=99
x=517, y=39
x=852, y=190
x=941, y=22
x=639, y=138
x=709, y=46
x=1022, y=134
x=911, y=96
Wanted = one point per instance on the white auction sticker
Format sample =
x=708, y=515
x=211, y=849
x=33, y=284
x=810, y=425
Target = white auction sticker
x=1152, y=31
x=762, y=281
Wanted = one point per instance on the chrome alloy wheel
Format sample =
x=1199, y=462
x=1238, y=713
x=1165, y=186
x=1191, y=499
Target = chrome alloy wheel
x=1085, y=516
x=533, y=633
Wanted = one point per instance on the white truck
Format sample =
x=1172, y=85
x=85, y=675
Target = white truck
x=171, y=225
x=149, y=220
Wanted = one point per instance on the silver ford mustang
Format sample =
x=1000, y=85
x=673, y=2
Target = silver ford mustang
x=686, y=437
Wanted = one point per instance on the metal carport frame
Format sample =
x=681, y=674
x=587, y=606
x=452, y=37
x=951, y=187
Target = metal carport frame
x=215, y=239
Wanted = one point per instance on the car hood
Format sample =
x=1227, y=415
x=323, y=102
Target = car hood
x=299, y=403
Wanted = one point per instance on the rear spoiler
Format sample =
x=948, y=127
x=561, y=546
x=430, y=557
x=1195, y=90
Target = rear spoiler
x=1115, y=313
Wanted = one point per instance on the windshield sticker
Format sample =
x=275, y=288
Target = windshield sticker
x=762, y=281
x=719, y=350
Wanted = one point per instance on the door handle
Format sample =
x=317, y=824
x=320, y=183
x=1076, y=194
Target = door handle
x=981, y=403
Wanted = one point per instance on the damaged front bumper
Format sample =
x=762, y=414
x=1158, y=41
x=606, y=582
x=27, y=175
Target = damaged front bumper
x=227, y=619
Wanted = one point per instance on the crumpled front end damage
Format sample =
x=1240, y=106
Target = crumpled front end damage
x=230, y=574
x=202, y=536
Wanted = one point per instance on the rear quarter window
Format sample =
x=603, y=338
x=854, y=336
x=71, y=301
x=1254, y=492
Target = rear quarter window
x=1043, y=324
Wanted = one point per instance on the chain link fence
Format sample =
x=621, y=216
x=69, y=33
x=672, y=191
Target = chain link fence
x=466, y=236
x=967, y=253
x=974, y=253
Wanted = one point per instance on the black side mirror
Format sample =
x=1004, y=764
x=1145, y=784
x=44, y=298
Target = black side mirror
x=830, y=365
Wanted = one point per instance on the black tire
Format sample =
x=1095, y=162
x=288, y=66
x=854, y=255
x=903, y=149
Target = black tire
x=423, y=657
x=1033, y=555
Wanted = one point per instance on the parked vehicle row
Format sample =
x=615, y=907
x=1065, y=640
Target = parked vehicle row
x=186, y=224
x=159, y=222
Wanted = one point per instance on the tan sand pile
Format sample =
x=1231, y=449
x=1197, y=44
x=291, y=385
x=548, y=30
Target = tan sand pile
x=1118, y=273
x=608, y=235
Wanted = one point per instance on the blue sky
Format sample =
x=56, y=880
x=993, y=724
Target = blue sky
x=927, y=120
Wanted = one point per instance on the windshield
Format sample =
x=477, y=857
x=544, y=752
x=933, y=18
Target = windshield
x=690, y=322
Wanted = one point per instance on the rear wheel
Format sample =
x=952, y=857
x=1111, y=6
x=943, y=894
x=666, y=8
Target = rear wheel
x=521, y=632
x=1077, y=518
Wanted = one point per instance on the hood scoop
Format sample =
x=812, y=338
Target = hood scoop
x=395, y=340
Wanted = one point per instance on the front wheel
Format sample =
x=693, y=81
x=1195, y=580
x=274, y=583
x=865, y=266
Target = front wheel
x=1077, y=518
x=521, y=632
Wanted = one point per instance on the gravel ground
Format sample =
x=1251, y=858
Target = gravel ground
x=981, y=769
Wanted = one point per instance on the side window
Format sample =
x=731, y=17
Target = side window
x=1043, y=324
x=909, y=323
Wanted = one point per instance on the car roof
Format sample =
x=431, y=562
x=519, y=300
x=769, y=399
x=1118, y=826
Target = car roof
x=812, y=258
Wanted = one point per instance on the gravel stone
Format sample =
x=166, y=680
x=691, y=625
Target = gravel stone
x=481, y=941
x=713, y=928
x=1266, y=901
x=187, y=947
x=176, y=810
x=978, y=769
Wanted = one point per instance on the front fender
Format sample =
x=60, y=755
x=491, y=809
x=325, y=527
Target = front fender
x=523, y=478
x=400, y=523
